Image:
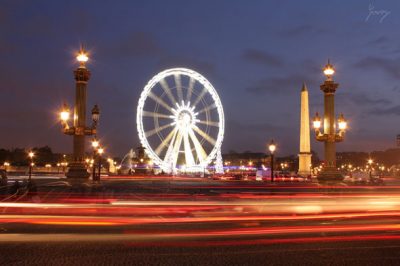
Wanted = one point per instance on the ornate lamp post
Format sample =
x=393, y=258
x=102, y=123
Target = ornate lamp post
x=329, y=135
x=79, y=130
x=272, y=148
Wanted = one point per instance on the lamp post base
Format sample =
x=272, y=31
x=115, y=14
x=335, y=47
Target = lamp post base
x=77, y=170
x=330, y=175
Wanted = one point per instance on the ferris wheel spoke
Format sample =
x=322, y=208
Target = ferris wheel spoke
x=154, y=114
x=201, y=154
x=205, y=135
x=165, y=142
x=156, y=130
x=190, y=89
x=168, y=91
x=207, y=108
x=188, y=150
x=200, y=96
x=177, y=146
x=208, y=123
x=169, y=154
x=178, y=83
x=160, y=101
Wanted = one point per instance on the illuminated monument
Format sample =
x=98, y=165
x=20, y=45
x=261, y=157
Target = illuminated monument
x=77, y=168
x=330, y=135
x=305, y=152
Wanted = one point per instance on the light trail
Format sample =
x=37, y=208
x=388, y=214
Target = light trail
x=109, y=220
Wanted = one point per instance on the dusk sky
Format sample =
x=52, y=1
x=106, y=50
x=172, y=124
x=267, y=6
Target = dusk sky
x=256, y=54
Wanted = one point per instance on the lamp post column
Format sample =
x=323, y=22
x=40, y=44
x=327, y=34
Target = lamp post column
x=82, y=75
x=329, y=135
x=329, y=88
x=77, y=168
x=272, y=167
x=272, y=148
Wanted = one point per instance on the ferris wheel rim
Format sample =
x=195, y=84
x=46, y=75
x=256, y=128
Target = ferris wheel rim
x=216, y=100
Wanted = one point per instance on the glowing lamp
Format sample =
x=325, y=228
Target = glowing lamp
x=370, y=161
x=64, y=114
x=82, y=57
x=31, y=154
x=95, y=143
x=100, y=151
x=342, y=122
x=272, y=146
x=316, y=121
x=329, y=70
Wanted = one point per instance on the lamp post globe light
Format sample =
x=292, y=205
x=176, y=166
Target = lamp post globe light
x=329, y=135
x=77, y=168
x=272, y=148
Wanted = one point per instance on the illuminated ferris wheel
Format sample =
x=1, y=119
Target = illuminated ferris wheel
x=180, y=121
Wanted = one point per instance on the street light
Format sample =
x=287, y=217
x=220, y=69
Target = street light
x=329, y=130
x=329, y=70
x=272, y=148
x=95, y=145
x=31, y=154
x=342, y=123
x=370, y=162
x=64, y=115
x=317, y=121
x=95, y=115
x=78, y=129
x=100, y=152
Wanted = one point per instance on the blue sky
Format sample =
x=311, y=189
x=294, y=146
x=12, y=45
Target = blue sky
x=255, y=53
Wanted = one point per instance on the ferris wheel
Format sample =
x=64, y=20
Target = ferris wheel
x=180, y=121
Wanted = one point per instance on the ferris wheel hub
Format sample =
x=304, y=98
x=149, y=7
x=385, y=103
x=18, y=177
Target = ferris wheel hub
x=184, y=117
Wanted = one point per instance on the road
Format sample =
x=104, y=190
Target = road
x=184, y=221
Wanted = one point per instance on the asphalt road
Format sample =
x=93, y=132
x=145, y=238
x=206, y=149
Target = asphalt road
x=116, y=253
x=191, y=222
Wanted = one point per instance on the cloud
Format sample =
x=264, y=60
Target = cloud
x=279, y=85
x=262, y=58
x=388, y=66
x=137, y=44
x=305, y=29
x=364, y=99
x=379, y=41
x=203, y=67
x=395, y=110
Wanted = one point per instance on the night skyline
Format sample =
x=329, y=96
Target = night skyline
x=256, y=56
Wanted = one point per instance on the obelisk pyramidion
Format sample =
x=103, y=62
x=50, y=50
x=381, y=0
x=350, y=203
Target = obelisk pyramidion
x=305, y=151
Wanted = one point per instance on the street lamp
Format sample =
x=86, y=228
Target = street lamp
x=272, y=148
x=370, y=162
x=31, y=154
x=100, y=152
x=332, y=130
x=95, y=146
x=79, y=129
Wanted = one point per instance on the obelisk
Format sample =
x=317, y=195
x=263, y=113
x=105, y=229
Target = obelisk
x=305, y=151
